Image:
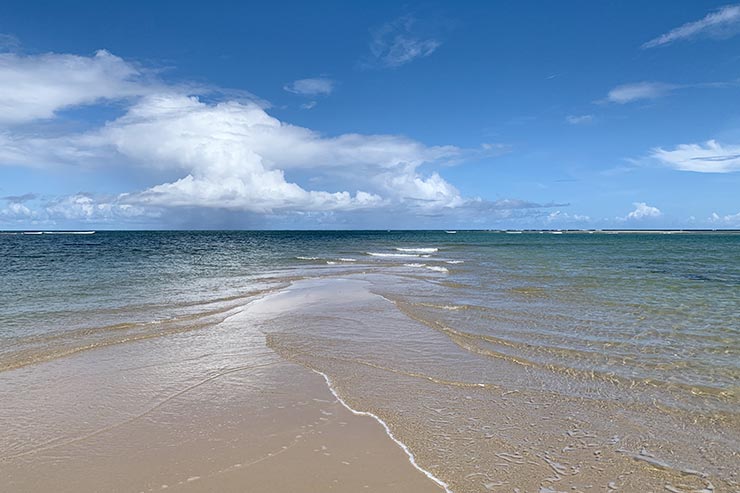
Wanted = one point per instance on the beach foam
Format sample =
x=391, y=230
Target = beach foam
x=388, y=431
x=418, y=250
x=384, y=254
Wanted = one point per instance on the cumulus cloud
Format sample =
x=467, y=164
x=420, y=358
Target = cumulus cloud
x=319, y=86
x=560, y=217
x=642, y=211
x=628, y=93
x=79, y=207
x=87, y=208
x=218, y=153
x=579, y=119
x=722, y=23
x=726, y=221
x=710, y=157
x=235, y=155
x=37, y=86
x=399, y=42
x=17, y=211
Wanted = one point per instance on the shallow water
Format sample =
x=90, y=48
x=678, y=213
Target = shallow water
x=572, y=362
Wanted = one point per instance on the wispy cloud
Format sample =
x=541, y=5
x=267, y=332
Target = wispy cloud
x=399, y=42
x=647, y=90
x=36, y=87
x=579, y=119
x=722, y=23
x=317, y=86
x=710, y=157
x=8, y=42
x=20, y=198
x=628, y=93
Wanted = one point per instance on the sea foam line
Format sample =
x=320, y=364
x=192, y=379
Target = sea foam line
x=418, y=250
x=388, y=432
x=382, y=254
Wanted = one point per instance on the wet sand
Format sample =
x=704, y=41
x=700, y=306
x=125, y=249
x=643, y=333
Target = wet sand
x=209, y=410
x=483, y=423
x=244, y=406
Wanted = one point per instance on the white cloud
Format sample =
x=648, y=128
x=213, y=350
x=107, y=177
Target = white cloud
x=727, y=221
x=36, y=87
x=711, y=157
x=579, y=119
x=319, y=86
x=564, y=217
x=722, y=23
x=41, y=152
x=399, y=42
x=80, y=207
x=86, y=207
x=236, y=156
x=628, y=93
x=229, y=156
x=309, y=106
x=642, y=211
x=16, y=211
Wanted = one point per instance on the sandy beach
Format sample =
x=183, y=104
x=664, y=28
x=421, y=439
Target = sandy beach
x=378, y=373
x=386, y=247
x=209, y=411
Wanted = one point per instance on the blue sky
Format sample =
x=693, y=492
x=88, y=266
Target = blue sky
x=369, y=115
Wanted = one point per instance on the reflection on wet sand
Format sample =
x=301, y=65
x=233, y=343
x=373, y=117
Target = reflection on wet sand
x=493, y=424
x=209, y=410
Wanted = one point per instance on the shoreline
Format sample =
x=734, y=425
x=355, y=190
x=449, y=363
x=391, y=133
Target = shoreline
x=481, y=436
x=347, y=329
x=211, y=409
x=388, y=431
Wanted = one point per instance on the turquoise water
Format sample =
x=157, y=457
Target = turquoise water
x=492, y=355
x=664, y=306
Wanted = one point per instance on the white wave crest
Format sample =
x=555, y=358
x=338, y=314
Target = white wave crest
x=381, y=254
x=418, y=250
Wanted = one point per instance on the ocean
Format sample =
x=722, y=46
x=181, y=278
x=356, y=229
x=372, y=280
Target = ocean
x=502, y=360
